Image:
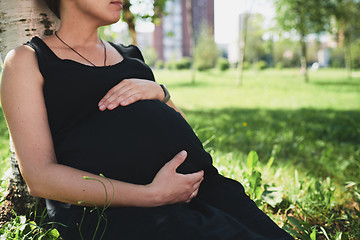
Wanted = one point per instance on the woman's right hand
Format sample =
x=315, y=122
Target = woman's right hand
x=172, y=187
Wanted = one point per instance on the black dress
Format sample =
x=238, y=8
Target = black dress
x=131, y=144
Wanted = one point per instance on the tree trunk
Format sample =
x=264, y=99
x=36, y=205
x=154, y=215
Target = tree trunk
x=20, y=20
x=242, y=45
x=130, y=20
x=347, y=53
x=303, y=59
x=190, y=27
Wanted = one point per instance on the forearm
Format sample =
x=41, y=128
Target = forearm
x=66, y=184
x=172, y=105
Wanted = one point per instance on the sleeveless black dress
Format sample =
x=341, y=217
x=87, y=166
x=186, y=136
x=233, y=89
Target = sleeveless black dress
x=131, y=144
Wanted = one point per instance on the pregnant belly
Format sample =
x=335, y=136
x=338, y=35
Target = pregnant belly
x=132, y=143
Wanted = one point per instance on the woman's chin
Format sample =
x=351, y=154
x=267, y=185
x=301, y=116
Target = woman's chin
x=110, y=21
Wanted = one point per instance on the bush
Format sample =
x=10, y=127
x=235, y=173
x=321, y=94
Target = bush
x=203, y=65
x=150, y=56
x=260, y=65
x=159, y=64
x=183, y=63
x=246, y=65
x=170, y=64
x=279, y=65
x=222, y=64
x=337, y=59
x=355, y=52
x=206, y=52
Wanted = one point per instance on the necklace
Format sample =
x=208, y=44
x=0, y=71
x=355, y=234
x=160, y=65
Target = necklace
x=82, y=55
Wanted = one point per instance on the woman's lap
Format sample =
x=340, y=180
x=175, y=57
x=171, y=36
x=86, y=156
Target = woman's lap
x=221, y=211
x=229, y=196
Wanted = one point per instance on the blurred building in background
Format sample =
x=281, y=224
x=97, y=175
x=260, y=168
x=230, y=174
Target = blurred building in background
x=172, y=38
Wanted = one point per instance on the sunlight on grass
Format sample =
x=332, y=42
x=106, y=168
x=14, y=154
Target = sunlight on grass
x=307, y=138
x=271, y=89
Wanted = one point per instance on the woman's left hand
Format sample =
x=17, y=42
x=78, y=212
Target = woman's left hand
x=129, y=91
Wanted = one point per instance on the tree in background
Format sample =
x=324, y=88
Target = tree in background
x=304, y=17
x=190, y=27
x=347, y=14
x=242, y=47
x=151, y=56
x=285, y=53
x=255, y=46
x=152, y=11
x=206, y=52
x=19, y=22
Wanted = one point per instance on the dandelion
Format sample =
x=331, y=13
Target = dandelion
x=244, y=124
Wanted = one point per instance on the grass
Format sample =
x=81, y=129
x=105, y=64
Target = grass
x=315, y=126
x=307, y=137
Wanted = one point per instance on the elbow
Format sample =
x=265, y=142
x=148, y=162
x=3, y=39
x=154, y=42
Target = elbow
x=34, y=187
x=33, y=191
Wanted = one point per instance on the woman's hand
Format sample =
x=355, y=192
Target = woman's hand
x=129, y=91
x=172, y=187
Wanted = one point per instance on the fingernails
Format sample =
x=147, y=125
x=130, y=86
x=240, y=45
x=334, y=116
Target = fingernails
x=123, y=103
x=183, y=153
x=102, y=107
x=111, y=106
x=100, y=103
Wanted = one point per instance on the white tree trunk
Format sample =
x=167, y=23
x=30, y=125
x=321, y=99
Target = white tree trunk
x=20, y=20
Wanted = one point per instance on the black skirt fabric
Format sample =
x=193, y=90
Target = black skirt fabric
x=131, y=144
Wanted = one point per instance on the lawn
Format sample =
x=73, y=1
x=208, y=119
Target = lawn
x=314, y=126
x=307, y=137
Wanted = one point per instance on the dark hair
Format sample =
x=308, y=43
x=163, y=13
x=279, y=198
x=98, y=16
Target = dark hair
x=54, y=6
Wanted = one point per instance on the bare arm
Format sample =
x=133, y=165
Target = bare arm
x=25, y=112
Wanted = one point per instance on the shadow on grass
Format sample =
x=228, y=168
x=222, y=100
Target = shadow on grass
x=3, y=126
x=321, y=142
x=189, y=84
x=350, y=83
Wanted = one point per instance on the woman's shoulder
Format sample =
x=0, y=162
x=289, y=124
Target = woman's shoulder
x=20, y=66
x=19, y=56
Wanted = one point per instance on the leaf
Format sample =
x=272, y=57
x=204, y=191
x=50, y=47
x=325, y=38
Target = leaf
x=22, y=219
x=54, y=233
x=273, y=196
x=252, y=161
x=32, y=225
x=313, y=234
x=325, y=234
x=270, y=162
x=254, y=179
x=292, y=231
x=296, y=223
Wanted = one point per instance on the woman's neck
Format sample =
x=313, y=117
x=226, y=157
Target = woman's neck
x=78, y=36
x=79, y=30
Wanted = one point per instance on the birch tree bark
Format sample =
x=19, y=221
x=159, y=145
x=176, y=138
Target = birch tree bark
x=20, y=20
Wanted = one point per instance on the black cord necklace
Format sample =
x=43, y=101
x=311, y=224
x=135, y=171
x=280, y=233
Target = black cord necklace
x=82, y=55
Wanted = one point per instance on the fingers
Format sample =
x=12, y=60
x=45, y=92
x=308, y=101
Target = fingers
x=193, y=194
x=120, y=94
x=173, y=187
x=118, y=99
x=129, y=91
x=177, y=160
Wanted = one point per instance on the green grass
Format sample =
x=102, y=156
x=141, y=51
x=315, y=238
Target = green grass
x=4, y=145
x=314, y=126
x=311, y=133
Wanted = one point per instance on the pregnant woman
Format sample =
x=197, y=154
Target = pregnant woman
x=78, y=106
